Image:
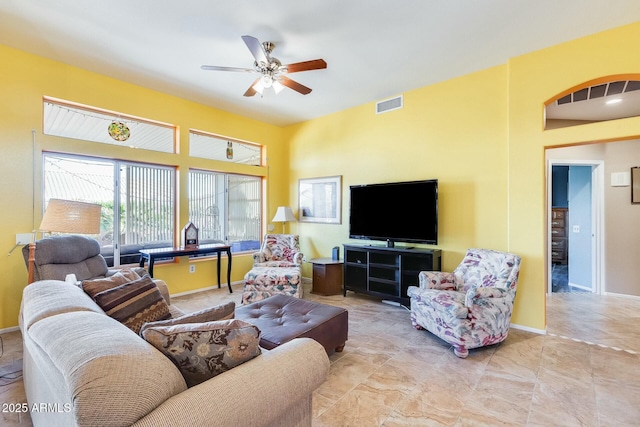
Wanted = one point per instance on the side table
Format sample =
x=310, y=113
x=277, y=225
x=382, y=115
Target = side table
x=327, y=276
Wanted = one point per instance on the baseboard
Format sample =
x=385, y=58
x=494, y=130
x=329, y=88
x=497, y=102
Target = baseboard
x=614, y=294
x=528, y=329
x=584, y=288
x=11, y=329
x=208, y=288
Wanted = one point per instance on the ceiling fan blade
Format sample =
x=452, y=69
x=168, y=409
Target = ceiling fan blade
x=315, y=64
x=294, y=85
x=216, y=68
x=256, y=49
x=251, y=91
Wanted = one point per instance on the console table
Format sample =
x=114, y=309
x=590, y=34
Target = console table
x=386, y=272
x=152, y=254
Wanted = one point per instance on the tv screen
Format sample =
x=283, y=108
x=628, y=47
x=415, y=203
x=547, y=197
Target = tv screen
x=395, y=212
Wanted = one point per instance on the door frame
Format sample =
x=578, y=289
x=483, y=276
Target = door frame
x=597, y=225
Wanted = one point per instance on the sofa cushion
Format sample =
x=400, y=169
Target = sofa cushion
x=204, y=350
x=51, y=297
x=210, y=314
x=94, y=286
x=112, y=377
x=134, y=303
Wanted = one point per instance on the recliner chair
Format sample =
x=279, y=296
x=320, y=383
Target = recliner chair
x=57, y=256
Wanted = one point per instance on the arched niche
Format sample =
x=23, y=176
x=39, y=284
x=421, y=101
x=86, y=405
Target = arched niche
x=602, y=99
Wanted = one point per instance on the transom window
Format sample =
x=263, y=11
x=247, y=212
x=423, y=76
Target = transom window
x=92, y=124
x=213, y=147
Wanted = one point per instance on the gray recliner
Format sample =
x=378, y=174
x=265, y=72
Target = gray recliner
x=57, y=256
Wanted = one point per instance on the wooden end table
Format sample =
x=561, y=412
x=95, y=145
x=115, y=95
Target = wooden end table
x=327, y=276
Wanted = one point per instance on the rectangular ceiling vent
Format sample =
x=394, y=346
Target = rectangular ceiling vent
x=389, y=105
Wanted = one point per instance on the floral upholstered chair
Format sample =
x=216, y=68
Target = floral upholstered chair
x=470, y=307
x=279, y=250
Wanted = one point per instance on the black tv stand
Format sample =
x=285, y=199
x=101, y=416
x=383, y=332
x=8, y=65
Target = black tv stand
x=385, y=272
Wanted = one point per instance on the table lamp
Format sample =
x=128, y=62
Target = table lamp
x=66, y=216
x=283, y=215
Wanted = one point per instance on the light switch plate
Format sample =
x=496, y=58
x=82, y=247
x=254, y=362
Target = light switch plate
x=576, y=228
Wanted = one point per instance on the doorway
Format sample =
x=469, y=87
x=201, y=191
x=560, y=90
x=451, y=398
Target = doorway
x=575, y=212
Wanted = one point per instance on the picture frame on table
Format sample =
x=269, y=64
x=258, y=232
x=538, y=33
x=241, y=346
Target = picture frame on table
x=320, y=200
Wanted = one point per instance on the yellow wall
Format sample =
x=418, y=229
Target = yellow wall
x=25, y=79
x=461, y=140
x=480, y=135
x=534, y=79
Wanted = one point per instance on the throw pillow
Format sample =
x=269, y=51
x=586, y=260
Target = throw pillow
x=95, y=286
x=211, y=314
x=204, y=350
x=134, y=303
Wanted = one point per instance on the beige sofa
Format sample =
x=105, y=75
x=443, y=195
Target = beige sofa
x=81, y=367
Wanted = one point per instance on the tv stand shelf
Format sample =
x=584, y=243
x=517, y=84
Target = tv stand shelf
x=385, y=272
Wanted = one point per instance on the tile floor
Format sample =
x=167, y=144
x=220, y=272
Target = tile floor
x=584, y=372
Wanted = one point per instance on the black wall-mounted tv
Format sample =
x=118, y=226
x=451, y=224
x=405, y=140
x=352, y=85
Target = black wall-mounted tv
x=395, y=212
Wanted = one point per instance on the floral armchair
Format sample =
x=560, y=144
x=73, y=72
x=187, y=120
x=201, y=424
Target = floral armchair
x=279, y=250
x=470, y=307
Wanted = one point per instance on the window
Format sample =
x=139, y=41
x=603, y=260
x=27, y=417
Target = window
x=69, y=120
x=602, y=99
x=226, y=207
x=208, y=146
x=138, y=201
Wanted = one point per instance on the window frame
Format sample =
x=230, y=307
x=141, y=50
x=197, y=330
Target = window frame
x=240, y=246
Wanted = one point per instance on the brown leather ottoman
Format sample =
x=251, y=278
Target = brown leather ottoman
x=282, y=318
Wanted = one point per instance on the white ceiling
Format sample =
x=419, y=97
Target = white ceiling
x=374, y=49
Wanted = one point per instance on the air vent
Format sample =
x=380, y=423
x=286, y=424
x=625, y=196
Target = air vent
x=389, y=105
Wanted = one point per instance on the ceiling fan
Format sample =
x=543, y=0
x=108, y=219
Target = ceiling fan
x=271, y=69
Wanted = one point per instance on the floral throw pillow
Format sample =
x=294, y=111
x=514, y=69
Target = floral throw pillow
x=204, y=350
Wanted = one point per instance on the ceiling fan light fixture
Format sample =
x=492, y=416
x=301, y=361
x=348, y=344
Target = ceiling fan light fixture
x=277, y=86
x=266, y=80
x=259, y=87
x=270, y=69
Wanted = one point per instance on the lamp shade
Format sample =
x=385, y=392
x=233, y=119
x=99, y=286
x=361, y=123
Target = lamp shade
x=67, y=216
x=284, y=214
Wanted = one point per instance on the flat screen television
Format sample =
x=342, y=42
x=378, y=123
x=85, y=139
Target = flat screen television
x=395, y=212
